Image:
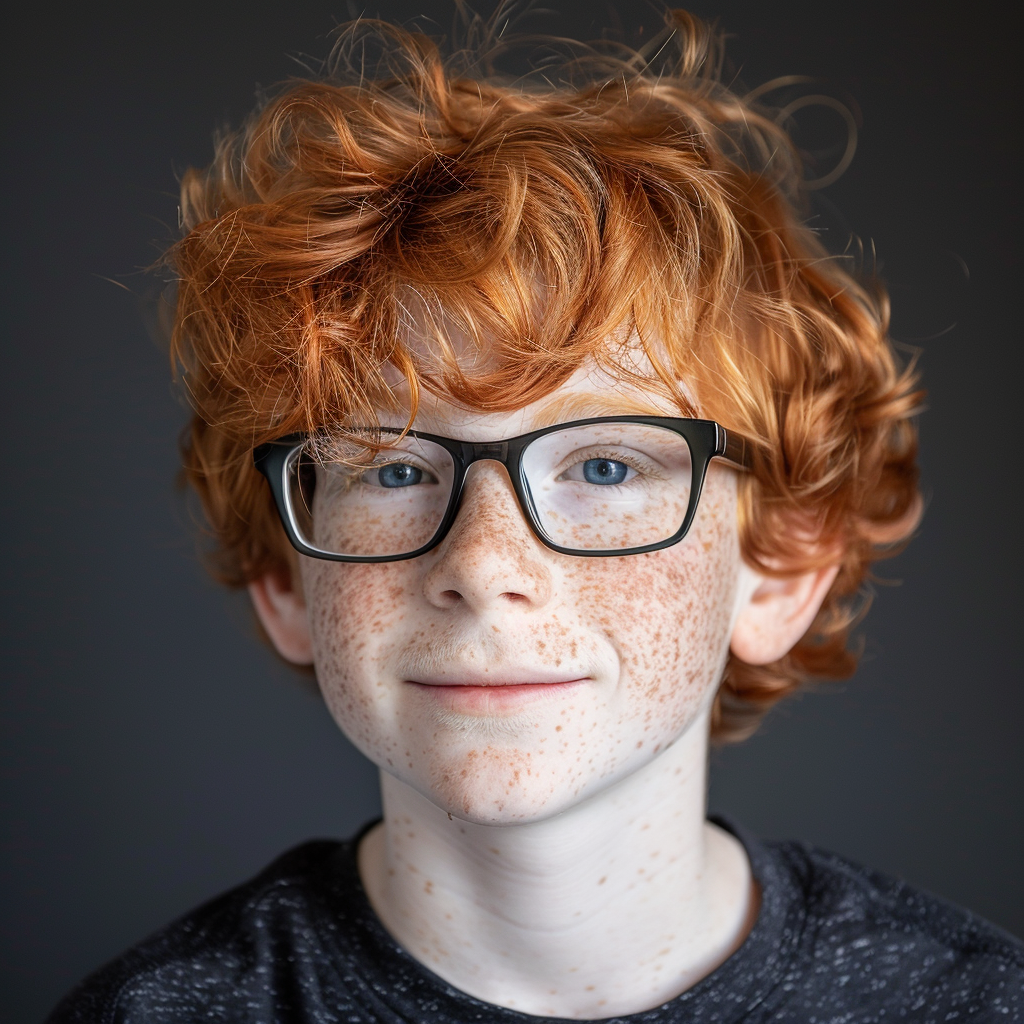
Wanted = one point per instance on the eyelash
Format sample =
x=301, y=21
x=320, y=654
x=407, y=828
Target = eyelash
x=644, y=467
x=400, y=459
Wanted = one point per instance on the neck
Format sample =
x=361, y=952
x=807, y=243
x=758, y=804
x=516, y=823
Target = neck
x=611, y=907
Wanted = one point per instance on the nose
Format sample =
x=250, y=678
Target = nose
x=491, y=557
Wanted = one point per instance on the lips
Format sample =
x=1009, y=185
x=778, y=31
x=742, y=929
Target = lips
x=498, y=677
x=476, y=694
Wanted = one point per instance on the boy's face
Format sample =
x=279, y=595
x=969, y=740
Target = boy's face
x=606, y=661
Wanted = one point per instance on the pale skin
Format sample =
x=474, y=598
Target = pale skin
x=540, y=721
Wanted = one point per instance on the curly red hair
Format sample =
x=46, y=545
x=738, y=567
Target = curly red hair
x=553, y=224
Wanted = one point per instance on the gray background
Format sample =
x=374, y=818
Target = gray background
x=154, y=754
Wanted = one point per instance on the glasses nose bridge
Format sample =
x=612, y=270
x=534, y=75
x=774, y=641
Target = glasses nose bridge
x=500, y=452
x=485, y=451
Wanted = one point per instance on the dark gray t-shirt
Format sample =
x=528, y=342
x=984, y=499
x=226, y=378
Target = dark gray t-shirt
x=833, y=943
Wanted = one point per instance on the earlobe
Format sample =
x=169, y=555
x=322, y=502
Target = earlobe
x=281, y=609
x=775, y=613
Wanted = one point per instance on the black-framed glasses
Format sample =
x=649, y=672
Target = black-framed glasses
x=610, y=485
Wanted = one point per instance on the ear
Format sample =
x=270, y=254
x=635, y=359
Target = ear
x=281, y=608
x=774, y=613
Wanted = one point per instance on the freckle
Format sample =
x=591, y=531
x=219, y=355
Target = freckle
x=603, y=880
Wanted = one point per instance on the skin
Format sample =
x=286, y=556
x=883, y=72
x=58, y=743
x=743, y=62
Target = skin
x=540, y=721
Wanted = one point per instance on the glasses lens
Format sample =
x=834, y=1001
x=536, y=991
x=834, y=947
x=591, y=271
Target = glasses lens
x=353, y=498
x=609, y=486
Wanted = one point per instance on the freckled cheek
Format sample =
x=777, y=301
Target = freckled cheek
x=668, y=612
x=352, y=610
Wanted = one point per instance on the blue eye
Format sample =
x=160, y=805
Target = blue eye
x=399, y=474
x=604, y=471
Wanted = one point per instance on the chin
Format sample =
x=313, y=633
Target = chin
x=497, y=784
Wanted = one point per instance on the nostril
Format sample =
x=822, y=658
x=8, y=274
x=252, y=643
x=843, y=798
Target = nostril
x=514, y=597
x=451, y=596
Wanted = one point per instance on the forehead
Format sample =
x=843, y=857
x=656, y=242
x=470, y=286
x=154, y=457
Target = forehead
x=592, y=390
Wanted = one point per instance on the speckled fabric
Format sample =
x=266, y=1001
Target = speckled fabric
x=833, y=944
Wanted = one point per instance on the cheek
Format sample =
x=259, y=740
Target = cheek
x=669, y=613
x=353, y=608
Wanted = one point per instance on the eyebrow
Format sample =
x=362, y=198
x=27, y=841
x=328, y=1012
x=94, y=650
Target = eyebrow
x=562, y=408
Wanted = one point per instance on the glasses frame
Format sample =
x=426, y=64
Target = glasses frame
x=706, y=440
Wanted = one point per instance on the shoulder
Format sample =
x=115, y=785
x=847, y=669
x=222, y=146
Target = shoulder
x=222, y=953
x=896, y=945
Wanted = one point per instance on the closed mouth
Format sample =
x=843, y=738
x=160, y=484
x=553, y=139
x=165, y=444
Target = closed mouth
x=494, y=696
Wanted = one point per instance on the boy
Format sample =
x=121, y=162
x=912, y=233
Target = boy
x=534, y=420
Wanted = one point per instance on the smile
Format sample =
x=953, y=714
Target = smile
x=494, y=696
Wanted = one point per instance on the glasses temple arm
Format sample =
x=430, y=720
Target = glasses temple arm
x=733, y=447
